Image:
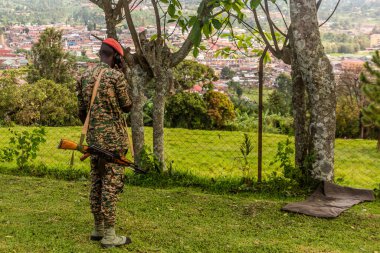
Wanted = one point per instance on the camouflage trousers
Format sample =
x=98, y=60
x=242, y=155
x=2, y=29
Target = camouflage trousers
x=105, y=188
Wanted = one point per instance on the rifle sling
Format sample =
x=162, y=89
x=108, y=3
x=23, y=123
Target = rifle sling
x=94, y=94
x=87, y=121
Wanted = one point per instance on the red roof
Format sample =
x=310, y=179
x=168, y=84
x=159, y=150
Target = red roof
x=5, y=51
x=197, y=88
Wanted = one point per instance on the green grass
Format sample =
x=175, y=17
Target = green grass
x=215, y=154
x=42, y=215
x=253, y=93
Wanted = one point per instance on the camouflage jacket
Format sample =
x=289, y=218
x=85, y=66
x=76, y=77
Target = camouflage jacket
x=106, y=127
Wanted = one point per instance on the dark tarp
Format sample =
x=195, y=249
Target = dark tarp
x=330, y=200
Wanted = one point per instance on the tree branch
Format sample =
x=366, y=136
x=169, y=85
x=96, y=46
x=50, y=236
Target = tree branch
x=270, y=22
x=158, y=20
x=319, y=4
x=282, y=16
x=248, y=26
x=135, y=5
x=260, y=30
x=131, y=27
x=204, y=11
x=332, y=13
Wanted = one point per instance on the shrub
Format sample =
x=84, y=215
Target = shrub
x=187, y=110
x=24, y=146
x=42, y=103
x=219, y=108
x=347, y=119
x=285, y=156
x=283, y=124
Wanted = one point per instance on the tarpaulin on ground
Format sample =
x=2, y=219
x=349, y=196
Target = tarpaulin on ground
x=330, y=200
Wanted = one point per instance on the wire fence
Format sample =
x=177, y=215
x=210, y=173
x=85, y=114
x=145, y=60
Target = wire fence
x=214, y=154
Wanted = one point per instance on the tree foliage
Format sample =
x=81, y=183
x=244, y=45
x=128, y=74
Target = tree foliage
x=41, y=103
x=47, y=103
x=371, y=89
x=50, y=61
x=187, y=110
x=227, y=73
x=10, y=95
x=189, y=73
x=219, y=108
x=347, y=119
x=280, y=100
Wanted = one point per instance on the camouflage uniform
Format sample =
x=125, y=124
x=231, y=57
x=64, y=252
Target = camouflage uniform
x=105, y=130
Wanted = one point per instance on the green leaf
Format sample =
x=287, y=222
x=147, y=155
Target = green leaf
x=267, y=58
x=195, y=52
x=206, y=29
x=153, y=37
x=216, y=23
x=237, y=8
x=171, y=10
x=254, y=4
x=192, y=21
x=196, y=35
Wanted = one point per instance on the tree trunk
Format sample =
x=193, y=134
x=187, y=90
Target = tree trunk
x=138, y=80
x=316, y=72
x=158, y=117
x=111, y=25
x=361, y=125
x=300, y=119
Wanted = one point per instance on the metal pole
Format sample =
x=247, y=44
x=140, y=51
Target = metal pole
x=260, y=133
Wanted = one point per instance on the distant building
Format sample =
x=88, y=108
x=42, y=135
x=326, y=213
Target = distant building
x=351, y=64
x=375, y=40
x=2, y=41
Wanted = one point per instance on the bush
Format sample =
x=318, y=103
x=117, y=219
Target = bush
x=278, y=104
x=285, y=158
x=281, y=124
x=187, y=110
x=219, y=108
x=245, y=106
x=347, y=119
x=42, y=103
x=243, y=122
x=23, y=146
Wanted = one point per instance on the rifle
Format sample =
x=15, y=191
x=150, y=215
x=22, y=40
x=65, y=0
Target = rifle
x=105, y=154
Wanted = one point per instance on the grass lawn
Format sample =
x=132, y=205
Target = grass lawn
x=44, y=215
x=216, y=154
x=253, y=93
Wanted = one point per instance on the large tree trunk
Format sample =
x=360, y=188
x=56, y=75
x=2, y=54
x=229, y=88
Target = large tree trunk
x=111, y=27
x=138, y=79
x=300, y=119
x=158, y=117
x=157, y=55
x=316, y=72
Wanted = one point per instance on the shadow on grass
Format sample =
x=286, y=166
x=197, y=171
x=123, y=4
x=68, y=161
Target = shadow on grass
x=274, y=186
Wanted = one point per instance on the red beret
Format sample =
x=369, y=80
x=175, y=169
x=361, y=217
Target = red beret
x=115, y=45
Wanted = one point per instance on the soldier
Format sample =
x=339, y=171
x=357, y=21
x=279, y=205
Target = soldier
x=106, y=130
